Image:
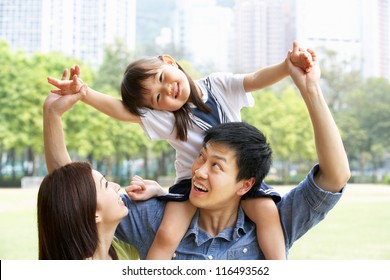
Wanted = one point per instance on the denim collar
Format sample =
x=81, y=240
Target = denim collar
x=229, y=234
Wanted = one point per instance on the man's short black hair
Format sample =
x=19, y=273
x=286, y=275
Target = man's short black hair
x=253, y=153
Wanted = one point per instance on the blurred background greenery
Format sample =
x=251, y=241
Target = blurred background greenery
x=360, y=106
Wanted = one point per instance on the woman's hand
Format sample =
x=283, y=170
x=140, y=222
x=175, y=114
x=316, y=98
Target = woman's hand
x=59, y=104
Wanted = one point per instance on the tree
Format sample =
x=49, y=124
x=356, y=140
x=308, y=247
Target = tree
x=366, y=123
x=21, y=102
x=339, y=77
x=23, y=90
x=110, y=73
x=361, y=109
x=283, y=118
x=115, y=142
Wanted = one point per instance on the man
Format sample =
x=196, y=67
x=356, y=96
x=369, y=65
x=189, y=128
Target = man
x=226, y=169
x=223, y=173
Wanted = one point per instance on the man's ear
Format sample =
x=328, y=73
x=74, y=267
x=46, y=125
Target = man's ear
x=247, y=184
x=168, y=60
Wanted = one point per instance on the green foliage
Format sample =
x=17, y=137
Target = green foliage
x=23, y=88
x=283, y=118
x=339, y=78
x=361, y=109
x=110, y=73
x=189, y=69
x=365, y=123
x=386, y=179
x=371, y=107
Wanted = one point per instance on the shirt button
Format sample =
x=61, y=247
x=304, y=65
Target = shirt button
x=174, y=255
x=244, y=250
x=210, y=257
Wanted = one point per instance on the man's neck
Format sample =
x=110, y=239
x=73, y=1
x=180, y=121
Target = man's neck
x=215, y=221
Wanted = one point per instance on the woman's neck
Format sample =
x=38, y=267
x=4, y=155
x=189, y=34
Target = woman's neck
x=104, y=244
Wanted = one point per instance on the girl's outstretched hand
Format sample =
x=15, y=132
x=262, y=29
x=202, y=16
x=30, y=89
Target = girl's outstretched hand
x=301, y=58
x=305, y=80
x=67, y=86
x=140, y=189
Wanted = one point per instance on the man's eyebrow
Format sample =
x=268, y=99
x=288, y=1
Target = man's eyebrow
x=219, y=158
x=222, y=158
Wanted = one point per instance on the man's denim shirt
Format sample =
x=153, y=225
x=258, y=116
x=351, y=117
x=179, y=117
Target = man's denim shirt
x=300, y=209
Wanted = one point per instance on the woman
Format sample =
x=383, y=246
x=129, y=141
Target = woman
x=78, y=209
x=78, y=212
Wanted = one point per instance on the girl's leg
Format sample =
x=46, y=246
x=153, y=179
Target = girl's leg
x=263, y=212
x=176, y=220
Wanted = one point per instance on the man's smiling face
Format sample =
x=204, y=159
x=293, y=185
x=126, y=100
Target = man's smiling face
x=214, y=178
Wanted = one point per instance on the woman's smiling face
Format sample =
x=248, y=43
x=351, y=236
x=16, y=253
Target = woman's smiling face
x=110, y=207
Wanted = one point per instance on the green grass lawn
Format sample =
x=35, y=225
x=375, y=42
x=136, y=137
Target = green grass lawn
x=358, y=228
x=352, y=231
x=18, y=234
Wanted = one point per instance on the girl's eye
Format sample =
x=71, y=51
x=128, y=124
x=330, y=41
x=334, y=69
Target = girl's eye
x=161, y=77
x=216, y=165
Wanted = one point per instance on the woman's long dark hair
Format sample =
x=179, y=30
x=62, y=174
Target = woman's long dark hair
x=133, y=92
x=66, y=209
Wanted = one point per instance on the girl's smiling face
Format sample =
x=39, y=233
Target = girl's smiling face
x=168, y=89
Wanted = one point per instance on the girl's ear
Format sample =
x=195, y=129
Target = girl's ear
x=246, y=186
x=168, y=60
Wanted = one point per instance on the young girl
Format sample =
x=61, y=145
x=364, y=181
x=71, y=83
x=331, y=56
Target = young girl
x=159, y=95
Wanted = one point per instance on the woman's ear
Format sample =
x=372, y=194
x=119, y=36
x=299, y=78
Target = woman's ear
x=246, y=186
x=98, y=218
x=168, y=60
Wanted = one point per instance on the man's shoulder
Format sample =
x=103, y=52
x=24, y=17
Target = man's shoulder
x=152, y=205
x=143, y=215
x=142, y=222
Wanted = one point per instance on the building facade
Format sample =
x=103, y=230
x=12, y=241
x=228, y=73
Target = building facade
x=80, y=28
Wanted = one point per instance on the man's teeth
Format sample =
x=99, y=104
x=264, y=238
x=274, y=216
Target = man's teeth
x=200, y=188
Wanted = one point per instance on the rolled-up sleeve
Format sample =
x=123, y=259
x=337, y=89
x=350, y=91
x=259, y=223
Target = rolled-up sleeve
x=305, y=206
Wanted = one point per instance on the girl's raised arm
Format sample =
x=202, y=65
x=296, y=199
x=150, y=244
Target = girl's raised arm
x=104, y=103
